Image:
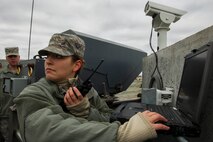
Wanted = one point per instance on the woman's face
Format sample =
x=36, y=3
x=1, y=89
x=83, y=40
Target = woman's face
x=59, y=68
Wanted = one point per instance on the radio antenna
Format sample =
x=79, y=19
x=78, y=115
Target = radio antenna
x=31, y=23
x=95, y=70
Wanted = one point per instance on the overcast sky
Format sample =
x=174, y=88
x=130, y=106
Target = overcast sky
x=122, y=21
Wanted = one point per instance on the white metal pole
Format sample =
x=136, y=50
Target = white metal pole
x=162, y=38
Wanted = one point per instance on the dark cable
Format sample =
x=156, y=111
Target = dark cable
x=156, y=59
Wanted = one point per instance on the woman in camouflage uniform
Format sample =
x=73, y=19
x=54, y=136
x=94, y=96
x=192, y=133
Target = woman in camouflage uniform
x=54, y=110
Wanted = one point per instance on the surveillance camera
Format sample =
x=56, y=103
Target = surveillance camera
x=162, y=17
x=153, y=9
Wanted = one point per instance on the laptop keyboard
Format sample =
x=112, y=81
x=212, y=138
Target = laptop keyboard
x=169, y=113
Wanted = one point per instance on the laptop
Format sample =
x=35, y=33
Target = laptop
x=195, y=83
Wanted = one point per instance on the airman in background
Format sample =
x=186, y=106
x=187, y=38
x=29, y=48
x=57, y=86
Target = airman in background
x=9, y=71
x=13, y=59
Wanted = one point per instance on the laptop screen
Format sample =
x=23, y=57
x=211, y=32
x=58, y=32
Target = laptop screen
x=191, y=82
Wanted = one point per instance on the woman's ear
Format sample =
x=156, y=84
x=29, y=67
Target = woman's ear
x=77, y=65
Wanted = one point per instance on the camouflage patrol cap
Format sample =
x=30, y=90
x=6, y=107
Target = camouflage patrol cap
x=65, y=45
x=11, y=51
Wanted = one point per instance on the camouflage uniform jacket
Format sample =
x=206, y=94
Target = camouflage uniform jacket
x=5, y=99
x=43, y=119
x=5, y=72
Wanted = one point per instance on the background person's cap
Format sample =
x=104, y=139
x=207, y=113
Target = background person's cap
x=64, y=45
x=11, y=51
